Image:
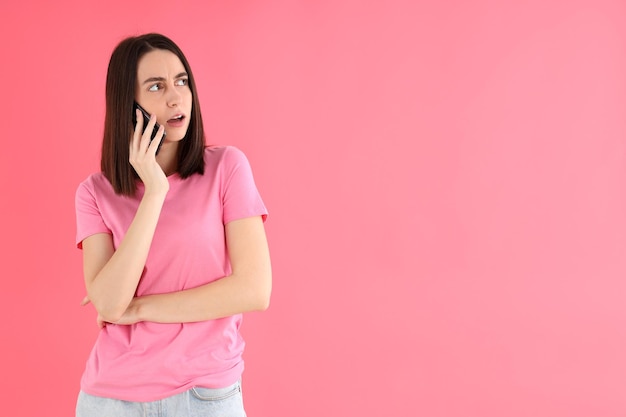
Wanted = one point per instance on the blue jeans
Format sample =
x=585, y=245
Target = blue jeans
x=196, y=402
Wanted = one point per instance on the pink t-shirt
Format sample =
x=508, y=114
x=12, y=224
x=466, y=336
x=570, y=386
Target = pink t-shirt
x=148, y=361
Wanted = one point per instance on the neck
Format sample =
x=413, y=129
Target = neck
x=168, y=157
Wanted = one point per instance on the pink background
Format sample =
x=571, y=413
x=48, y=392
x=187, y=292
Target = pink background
x=446, y=187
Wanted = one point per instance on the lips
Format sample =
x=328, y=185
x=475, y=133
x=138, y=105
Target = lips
x=177, y=120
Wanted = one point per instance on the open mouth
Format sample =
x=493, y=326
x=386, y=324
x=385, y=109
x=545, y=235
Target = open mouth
x=177, y=119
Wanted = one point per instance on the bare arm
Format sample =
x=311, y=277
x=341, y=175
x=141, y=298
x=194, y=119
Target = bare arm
x=111, y=276
x=248, y=288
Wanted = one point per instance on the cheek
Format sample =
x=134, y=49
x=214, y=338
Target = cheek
x=188, y=97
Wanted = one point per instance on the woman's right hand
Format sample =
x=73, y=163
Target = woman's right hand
x=143, y=156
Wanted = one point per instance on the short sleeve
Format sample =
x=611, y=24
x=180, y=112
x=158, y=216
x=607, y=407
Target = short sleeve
x=88, y=218
x=241, y=198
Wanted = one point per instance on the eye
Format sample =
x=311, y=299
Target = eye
x=154, y=87
x=182, y=81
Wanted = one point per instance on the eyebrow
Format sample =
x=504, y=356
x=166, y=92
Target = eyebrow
x=153, y=79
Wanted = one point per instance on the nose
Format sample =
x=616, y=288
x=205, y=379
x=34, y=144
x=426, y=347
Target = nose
x=174, y=97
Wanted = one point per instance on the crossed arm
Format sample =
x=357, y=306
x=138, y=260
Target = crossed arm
x=111, y=277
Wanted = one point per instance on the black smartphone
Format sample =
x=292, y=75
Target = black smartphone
x=146, y=119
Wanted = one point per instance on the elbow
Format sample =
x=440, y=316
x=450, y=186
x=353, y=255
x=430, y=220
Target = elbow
x=110, y=313
x=260, y=296
x=265, y=293
x=110, y=308
x=253, y=289
x=263, y=303
x=110, y=317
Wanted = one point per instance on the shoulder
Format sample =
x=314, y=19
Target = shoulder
x=224, y=156
x=94, y=183
x=219, y=153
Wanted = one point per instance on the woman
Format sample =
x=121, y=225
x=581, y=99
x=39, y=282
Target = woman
x=174, y=248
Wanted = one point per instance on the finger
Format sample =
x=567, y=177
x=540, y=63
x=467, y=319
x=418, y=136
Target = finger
x=147, y=134
x=154, y=145
x=138, y=130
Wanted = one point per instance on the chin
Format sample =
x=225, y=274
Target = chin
x=174, y=137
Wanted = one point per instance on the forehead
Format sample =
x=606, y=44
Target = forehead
x=159, y=63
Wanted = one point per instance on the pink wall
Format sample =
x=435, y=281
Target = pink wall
x=446, y=183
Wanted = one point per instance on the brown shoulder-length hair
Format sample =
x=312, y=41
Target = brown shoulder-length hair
x=118, y=121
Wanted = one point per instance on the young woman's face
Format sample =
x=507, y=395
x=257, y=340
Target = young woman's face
x=162, y=89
